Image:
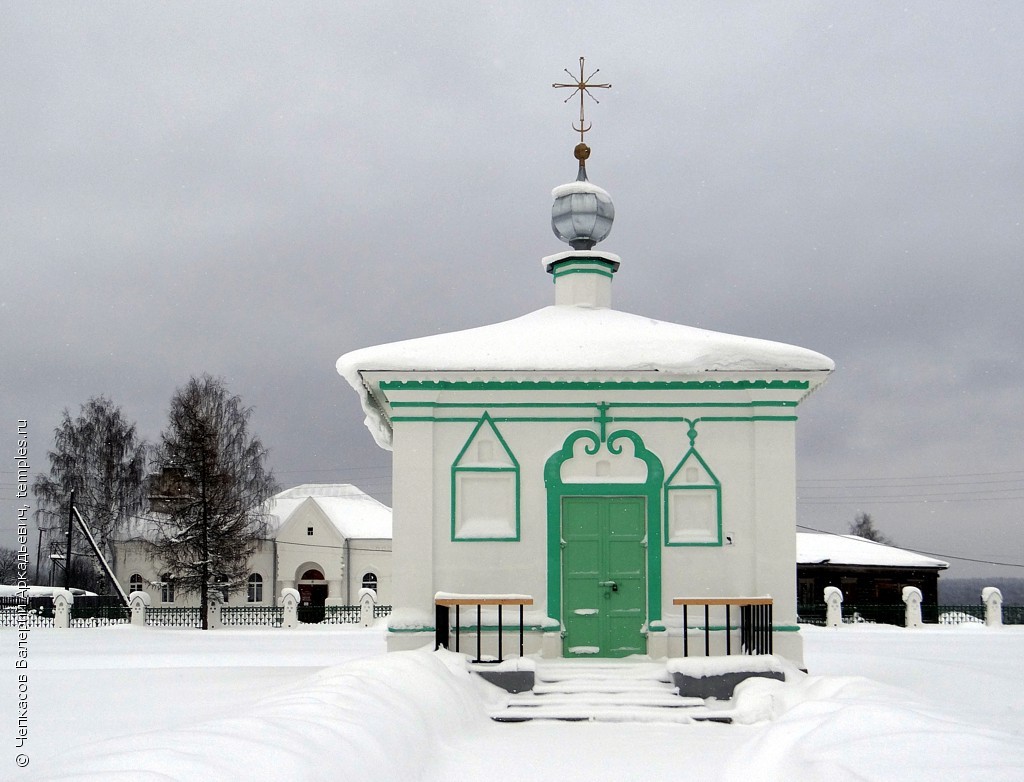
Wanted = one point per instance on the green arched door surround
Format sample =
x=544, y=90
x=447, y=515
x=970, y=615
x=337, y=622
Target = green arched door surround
x=597, y=528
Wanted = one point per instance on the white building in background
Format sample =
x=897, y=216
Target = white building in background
x=601, y=462
x=326, y=540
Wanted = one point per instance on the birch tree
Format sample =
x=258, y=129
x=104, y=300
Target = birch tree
x=100, y=458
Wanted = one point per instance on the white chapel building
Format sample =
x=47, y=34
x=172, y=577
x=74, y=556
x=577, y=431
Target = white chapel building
x=600, y=462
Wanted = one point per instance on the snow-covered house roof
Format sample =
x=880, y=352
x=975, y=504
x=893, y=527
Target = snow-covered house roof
x=814, y=548
x=352, y=512
x=562, y=340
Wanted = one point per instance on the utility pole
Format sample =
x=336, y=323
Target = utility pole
x=71, y=526
x=39, y=552
x=204, y=589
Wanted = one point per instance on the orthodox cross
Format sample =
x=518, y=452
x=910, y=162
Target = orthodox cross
x=582, y=86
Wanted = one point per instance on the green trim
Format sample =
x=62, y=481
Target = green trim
x=591, y=419
x=715, y=485
x=544, y=629
x=512, y=626
x=456, y=469
x=555, y=405
x=567, y=272
x=587, y=385
x=651, y=490
x=721, y=628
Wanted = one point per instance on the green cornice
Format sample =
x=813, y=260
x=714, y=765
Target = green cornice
x=593, y=385
x=596, y=265
x=548, y=405
x=589, y=419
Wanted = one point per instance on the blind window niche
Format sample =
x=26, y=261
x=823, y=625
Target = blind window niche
x=485, y=487
x=693, y=504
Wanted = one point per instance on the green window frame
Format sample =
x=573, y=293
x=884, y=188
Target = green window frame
x=485, y=480
x=705, y=487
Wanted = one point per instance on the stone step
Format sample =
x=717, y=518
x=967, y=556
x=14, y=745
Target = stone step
x=605, y=691
x=666, y=699
x=558, y=671
x=610, y=714
x=545, y=687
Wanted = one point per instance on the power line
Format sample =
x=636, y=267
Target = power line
x=895, y=500
x=922, y=477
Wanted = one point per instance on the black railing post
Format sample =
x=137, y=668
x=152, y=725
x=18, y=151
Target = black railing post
x=686, y=635
x=441, y=636
x=728, y=630
x=707, y=630
x=521, y=630
x=458, y=626
x=747, y=623
x=479, y=633
x=499, y=633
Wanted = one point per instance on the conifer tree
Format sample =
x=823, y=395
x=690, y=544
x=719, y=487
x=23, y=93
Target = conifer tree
x=215, y=484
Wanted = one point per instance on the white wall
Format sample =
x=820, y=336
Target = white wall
x=753, y=460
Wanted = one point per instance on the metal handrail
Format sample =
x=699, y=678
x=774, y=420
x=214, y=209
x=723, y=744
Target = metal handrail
x=442, y=616
x=755, y=622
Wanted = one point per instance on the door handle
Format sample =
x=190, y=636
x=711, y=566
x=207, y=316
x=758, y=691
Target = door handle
x=612, y=584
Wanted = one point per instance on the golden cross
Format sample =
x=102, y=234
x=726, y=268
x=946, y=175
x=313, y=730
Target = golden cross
x=582, y=86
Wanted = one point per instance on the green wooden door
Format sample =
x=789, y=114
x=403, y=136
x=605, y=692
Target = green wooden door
x=604, y=576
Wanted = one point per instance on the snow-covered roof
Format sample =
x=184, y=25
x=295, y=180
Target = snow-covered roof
x=353, y=513
x=813, y=548
x=564, y=338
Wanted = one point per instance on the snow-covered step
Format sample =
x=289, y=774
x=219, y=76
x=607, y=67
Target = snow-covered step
x=659, y=699
x=595, y=668
x=596, y=685
x=607, y=691
x=611, y=714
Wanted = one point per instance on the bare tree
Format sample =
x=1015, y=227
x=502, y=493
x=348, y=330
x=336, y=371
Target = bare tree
x=863, y=526
x=213, y=486
x=8, y=565
x=98, y=456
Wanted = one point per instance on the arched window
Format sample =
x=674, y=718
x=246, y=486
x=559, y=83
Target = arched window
x=167, y=588
x=370, y=581
x=222, y=585
x=255, y=588
x=135, y=583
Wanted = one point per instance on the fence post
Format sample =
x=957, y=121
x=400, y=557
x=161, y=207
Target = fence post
x=912, y=599
x=62, y=602
x=290, y=604
x=214, y=619
x=139, y=602
x=367, y=601
x=833, y=607
x=993, y=600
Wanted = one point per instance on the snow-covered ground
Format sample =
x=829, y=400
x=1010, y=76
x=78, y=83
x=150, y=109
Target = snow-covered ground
x=126, y=703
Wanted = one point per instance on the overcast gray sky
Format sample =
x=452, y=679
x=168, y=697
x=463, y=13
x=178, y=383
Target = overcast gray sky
x=251, y=190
